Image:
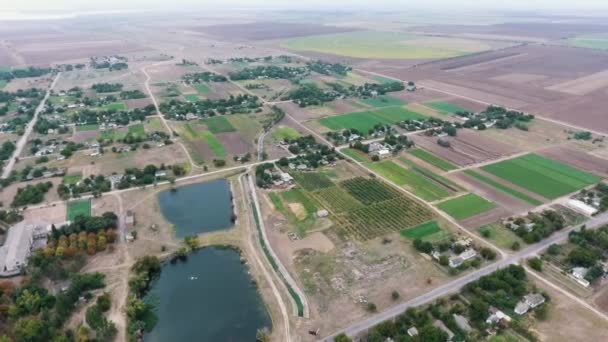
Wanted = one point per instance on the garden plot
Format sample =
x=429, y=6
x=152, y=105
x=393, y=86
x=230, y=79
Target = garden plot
x=364, y=121
x=466, y=206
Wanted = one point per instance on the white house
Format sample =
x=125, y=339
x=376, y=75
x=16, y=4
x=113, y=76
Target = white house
x=578, y=274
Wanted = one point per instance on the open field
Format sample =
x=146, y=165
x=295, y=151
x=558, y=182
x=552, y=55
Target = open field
x=591, y=41
x=383, y=101
x=219, y=124
x=78, y=208
x=284, y=132
x=446, y=107
x=426, y=231
x=502, y=187
x=371, y=44
x=466, y=206
x=363, y=121
x=266, y=30
x=432, y=159
x=546, y=177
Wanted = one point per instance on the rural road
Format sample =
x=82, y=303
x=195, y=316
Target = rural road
x=457, y=284
x=28, y=130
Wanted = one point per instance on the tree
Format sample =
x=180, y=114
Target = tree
x=104, y=302
x=395, y=295
x=31, y=329
x=371, y=307
x=536, y=264
x=516, y=246
x=342, y=338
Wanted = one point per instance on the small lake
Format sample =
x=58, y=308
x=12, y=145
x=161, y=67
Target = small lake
x=209, y=297
x=198, y=208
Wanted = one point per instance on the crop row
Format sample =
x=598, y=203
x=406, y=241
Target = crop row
x=369, y=191
x=312, y=180
x=337, y=200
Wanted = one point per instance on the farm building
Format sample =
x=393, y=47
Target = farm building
x=581, y=207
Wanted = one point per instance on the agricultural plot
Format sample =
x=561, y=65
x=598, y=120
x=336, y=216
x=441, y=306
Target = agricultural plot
x=82, y=128
x=546, y=177
x=356, y=155
x=312, y=180
x=337, y=200
x=191, y=97
x=383, y=101
x=369, y=191
x=78, y=208
x=501, y=187
x=284, y=132
x=445, y=107
x=115, y=106
x=219, y=124
x=137, y=130
x=364, y=121
x=429, y=231
x=299, y=196
x=416, y=182
x=201, y=88
x=432, y=159
x=593, y=41
x=466, y=206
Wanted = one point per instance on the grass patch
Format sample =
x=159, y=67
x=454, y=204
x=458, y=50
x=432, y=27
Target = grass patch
x=466, y=206
x=445, y=107
x=115, y=106
x=364, y=121
x=155, y=124
x=219, y=124
x=546, y=177
x=299, y=196
x=356, y=155
x=500, y=235
x=499, y=186
x=284, y=132
x=201, y=88
x=214, y=144
x=276, y=202
x=137, y=130
x=112, y=134
x=383, y=101
x=312, y=180
x=421, y=231
x=382, y=79
x=82, y=128
x=78, y=208
x=72, y=178
x=191, y=97
x=432, y=159
x=418, y=184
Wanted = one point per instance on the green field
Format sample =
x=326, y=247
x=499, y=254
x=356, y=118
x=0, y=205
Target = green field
x=433, y=160
x=276, y=202
x=374, y=44
x=72, y=178
x=445, y=107
x=546, y=177
x=466, y=206
x=82, y=128
x=430, y=174
x=364, y=121
x=421, y=231
x=300, y=196
x=214, y=144
x=417, y=183
x=592, y=41
x=282, y=133
x=383, y=101
x=78, y=208
x=219, y=124
x=499, y=186
x=112, y=134
x=191, y=97
x=137, y=130
x=500, y=235
x=356, y=155
x=381, y=79
x=201, y=88
x=115, y=106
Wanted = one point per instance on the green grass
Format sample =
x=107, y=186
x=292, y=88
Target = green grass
x=201, y=88
x=191, y=97
x=72, y=178
x=374, y=44
x=364, y=121
x=284, y=132
x=214, y=144
x=466, y=206
x=381, y=79
x=137, y=130
x=383, y=101
x=112, y=134
x=421, y=231
x=430, y=174
x=300, y=196
x=155, y=124
x=78, y=208
x=276, y=202
x=499, y=186
x=219, y=124
x=115, y=106
x=500, y=235
x=433, y=160
x=356, y=155
x=418, y=184
x=546, y=177
x=83, y=128
x=445, y=107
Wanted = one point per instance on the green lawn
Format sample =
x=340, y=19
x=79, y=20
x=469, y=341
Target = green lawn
x=546, y=177
x=82, y=128
x=356, y=155
x=466, y=206
x=445, y=107
x=77, y=208
x=72, y=178
x=418, y=184
x=499, y=186
x=214, y=144
x=282, y=133
x=115, y=106
x=191, y=97
x=138, y=130
x=433, y=160
x=219, y=124
x=364, y=121
x=500, y=235
x=383, y=101
x=421, y=231
x=201, y=88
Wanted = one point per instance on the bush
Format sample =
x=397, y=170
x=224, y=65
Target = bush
x=395, y=295
x=371, y=307
x=536, y=264
x=516, y=246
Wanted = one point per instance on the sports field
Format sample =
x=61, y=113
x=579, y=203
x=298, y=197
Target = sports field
x=383, y=101
x=546, y=177
x=417, y=183
x=466, y=206
x=432, y=159
x=373, y=44
x=282, y=133
x=78, y=208
x=364, y=121
x=445, y=107
x=219, y=124
x=423, y=231
x=499, y=186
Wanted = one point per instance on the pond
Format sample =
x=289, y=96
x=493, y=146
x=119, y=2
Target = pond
x=209, y=297
x=198, y=208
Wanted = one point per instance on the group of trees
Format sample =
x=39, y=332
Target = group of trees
x=544, y=224
x=200, y=77
x=31, y=194
x=111, y=63
x=23, y=73
x=270, y=71
x=242, y=103
x=309, y=152
x=263, y=175
x=104, y=329
x=591, y=249
x=94, y=184
x=132, y=94
x=107, y=87
x=119, y=117
x=503, y=117
x=140, y=314
x=6, y=150
x=396, y=330
x=68, y=246
x=309, y=94
x=323, y=68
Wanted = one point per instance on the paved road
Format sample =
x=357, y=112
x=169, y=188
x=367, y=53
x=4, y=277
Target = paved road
x=8, y=168
x=457, y=284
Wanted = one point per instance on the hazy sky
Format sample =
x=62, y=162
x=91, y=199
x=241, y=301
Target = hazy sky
x=96, y=5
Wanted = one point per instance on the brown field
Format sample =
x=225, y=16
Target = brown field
x=138, y=103
x=267, y=30
x=486, y=218
x=578, y=159
x=233, y=143
x=517, y=78
x=466, y=148
x=583, y=85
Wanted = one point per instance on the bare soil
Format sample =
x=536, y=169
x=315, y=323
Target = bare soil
x=578, y=159
x=267, y=30
x=509, y=203
x=233, y=143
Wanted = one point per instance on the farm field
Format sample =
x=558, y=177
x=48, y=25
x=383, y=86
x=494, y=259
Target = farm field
x=497, y=185
x=82, y=128
x=355, y=154
x=370, y=44
x=432, y=159
x=466, y=206
x=191, y=97
x=364, y=121
x=78, y=208
x=383, y=101
x=445, y=107
x=284, y=132
x=410, y=179
x=219, y=124
x=546, y=177
x=429, y=231
x=592, y=41
x=115, y=106
x=201, y=88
